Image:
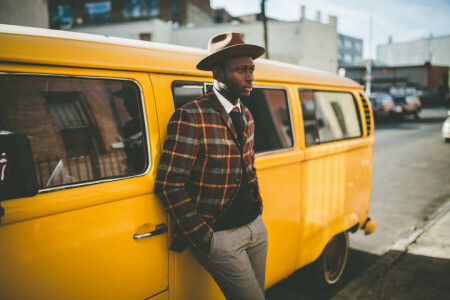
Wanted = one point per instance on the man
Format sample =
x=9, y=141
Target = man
x=207, y=179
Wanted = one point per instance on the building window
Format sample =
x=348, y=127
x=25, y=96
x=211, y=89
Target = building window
x=97, y=11
x=348, y=58
x=175, y=7
x=140, y=8
x=80, y=129
x=145, y=36
x=61, y=16
x=329, y=116
x=348, y=44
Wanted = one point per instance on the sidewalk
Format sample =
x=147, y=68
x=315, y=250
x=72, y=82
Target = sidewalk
x=417, y=267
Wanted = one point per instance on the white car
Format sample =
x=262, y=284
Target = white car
x=446, y=129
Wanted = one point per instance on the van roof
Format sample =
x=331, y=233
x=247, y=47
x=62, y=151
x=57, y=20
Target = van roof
x=56, y=47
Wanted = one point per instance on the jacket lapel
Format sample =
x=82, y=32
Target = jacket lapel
x=245, y=123
x=224, y=115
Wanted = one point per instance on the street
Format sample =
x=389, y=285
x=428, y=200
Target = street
x=410, y=183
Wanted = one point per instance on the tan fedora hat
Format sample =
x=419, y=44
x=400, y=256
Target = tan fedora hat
x=227, y=45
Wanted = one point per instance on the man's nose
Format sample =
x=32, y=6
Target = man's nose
x=249, y=76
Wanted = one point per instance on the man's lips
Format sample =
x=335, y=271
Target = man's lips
x=248, y=88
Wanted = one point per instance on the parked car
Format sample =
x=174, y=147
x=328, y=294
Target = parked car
x=408, y=105
x=446, y=129
x=383, y=105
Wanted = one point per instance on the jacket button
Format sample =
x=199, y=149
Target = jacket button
x=238, y=180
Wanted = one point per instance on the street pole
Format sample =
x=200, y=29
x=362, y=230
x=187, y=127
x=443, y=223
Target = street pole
x=369, y=61
x=264, y=21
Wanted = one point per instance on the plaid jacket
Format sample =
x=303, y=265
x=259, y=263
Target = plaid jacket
x=200, y=169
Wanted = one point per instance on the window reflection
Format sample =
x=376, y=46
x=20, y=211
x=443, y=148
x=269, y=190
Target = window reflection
x=270, y=111
x=79, y=129
x=329, y=116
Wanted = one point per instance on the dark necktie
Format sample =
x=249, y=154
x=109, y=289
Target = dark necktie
x=236, y=117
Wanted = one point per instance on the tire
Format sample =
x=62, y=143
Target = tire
x=330, y=265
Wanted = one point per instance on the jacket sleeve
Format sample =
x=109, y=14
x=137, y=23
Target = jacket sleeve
x=179, y=153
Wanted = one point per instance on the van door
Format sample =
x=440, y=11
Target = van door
x=278, y=160
x=95, y=230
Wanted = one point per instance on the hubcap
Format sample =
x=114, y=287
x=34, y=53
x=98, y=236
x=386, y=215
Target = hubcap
x=335, y=258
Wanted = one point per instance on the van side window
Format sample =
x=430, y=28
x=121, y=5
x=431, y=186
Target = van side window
x=270, y=110
x=80, y=129
x=329, y=116
x=184, y=92
x=309, y=117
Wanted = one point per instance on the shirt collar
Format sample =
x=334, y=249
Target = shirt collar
x=225, y=103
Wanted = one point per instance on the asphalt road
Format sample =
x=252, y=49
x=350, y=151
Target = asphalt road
x=410, y=182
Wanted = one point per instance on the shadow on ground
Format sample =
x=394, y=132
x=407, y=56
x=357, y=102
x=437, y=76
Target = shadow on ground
x=411, y=277
x=300, y=285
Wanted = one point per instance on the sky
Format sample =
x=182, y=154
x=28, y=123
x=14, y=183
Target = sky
x=403, y=20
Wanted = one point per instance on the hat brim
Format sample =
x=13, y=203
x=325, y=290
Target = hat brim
x=207, y=63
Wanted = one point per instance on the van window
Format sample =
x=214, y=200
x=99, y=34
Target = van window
x=270, y=110
x=329, y=116
x=80, y=129
x=184, y=92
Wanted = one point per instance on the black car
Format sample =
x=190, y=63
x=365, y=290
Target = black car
x=410, y=105
x=383, y=106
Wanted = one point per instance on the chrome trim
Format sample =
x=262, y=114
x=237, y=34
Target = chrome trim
x=63, y=187
x=160, y=229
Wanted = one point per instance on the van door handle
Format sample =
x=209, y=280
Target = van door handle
x=161, y=228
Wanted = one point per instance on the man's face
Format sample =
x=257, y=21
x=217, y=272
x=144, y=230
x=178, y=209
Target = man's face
x=237, y=78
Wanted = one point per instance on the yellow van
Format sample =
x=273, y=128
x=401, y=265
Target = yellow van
x=83, y=120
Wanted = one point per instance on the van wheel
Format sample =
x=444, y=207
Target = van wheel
x=330, y=265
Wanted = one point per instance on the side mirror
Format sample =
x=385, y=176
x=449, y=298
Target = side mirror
x=17, y=173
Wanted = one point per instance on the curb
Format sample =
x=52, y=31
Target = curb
x=404, y=243
x=361, y=284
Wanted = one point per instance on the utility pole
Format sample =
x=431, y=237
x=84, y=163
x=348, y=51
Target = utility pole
x=369, y=61
x=264, y=21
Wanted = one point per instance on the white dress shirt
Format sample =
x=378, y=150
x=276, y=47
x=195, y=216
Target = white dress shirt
x=225, y=103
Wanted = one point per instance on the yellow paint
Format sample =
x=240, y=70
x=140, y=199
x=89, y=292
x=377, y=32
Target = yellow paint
x=78, y=242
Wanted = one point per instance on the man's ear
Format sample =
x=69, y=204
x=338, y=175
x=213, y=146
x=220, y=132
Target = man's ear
x=218, y=74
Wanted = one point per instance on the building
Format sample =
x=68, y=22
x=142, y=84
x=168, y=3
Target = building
x=32, y=13
x=350, y=51
x=154, y=30
x=308, y=43
x=427, y=81
x=434, y=50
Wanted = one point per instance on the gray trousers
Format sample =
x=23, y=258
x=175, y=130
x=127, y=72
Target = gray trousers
x=237, y=260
